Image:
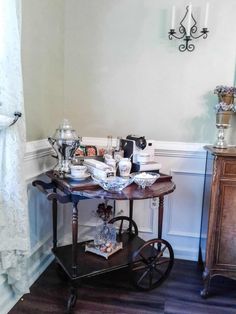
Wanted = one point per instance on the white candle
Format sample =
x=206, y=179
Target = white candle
x=173, y=18
x=206, y=15
x=189, y=19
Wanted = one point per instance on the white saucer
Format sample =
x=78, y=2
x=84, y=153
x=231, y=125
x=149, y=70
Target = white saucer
x=85, y=176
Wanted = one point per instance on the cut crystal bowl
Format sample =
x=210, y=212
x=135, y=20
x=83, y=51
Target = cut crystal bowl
x=145, y=179
x=113, y=184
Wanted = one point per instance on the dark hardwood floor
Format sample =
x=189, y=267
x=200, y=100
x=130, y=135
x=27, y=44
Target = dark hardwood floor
x=113, y=293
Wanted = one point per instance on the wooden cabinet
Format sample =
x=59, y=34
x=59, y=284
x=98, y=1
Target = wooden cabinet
x=218, y=228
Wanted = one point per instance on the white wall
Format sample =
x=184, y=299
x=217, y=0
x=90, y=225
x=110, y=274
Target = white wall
x=43, y=65
x=119, y=72
x=123, y=75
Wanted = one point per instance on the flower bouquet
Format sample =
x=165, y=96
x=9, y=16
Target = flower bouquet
x=226, y=96
x=225, y=90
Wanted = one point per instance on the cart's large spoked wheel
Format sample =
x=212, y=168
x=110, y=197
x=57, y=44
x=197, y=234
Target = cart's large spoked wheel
x=123, y=225
x=151, y=264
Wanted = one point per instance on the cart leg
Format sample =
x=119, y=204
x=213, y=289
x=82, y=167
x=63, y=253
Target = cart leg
x=114, y=208
x=54, y=220
x=74, y=238
x=160, y=216
x=73, y=290
x=160, y=219
x=131, y=206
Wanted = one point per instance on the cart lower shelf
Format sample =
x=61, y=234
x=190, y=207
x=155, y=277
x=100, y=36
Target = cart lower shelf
x=90, y=264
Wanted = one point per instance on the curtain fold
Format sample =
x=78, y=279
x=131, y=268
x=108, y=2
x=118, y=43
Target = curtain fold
x=14, y=222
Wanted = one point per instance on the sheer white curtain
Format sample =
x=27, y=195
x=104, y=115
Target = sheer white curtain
x=14, y=226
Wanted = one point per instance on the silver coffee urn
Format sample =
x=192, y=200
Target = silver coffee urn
x=64, y=142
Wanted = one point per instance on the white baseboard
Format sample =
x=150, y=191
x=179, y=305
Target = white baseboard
x=186, y=254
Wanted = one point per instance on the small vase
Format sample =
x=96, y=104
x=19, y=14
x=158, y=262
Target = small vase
x=222, y=123
x=223, y=117
x=125, y=167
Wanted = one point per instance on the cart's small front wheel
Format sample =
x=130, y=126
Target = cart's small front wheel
x=151, y=264
x=71, y=301
x=124, y=224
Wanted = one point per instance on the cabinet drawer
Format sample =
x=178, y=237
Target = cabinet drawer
x=229, y=168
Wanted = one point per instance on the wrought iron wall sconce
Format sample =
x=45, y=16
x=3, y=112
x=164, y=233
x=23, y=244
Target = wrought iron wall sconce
x=188, y=28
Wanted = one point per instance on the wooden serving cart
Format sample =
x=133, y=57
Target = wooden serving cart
x=150, y=262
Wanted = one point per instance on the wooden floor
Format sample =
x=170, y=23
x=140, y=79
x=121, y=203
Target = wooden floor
x=113, y=293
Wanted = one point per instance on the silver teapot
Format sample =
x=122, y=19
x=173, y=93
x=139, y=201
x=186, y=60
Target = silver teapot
x=64, y=142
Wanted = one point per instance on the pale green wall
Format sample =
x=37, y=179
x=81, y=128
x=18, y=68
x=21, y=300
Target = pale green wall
x=43, y=65
x=121, y=73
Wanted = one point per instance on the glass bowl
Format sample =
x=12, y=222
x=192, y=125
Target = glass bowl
x=113, y=184
x=145, y=179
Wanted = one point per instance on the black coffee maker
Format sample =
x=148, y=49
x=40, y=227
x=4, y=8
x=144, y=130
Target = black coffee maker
x=141, y=153
x=132, y=145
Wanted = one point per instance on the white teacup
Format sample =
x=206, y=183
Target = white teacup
x=78, y=170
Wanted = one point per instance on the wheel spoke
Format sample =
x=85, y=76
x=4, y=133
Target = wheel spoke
x=150, y=279
x=161, y=252
x=121, y=226
x=129, y=231
x=139, y=267
x=165, y=261
x=158, y=271
x=143, y=276
x=144, y=260
x=159, y=255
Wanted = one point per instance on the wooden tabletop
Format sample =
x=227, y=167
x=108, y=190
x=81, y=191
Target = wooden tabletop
x=224, y=152
x=89, y=189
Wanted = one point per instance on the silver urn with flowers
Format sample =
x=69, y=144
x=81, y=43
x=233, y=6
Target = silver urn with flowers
x=64, y=142
x=224, y=110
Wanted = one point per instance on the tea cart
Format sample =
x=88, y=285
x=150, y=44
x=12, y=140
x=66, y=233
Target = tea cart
x=149, y=262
